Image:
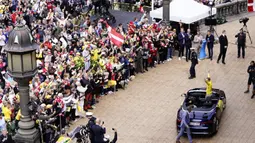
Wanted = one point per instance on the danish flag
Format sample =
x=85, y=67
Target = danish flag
x=116, y=38
x=251, y=5
x=141, y=9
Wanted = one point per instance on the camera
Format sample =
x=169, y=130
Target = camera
x=244, y=20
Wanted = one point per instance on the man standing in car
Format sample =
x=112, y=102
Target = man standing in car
x=185, y=120
x=223, y=46
x=251, y=72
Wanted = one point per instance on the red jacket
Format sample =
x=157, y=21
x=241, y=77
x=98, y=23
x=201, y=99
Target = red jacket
x=153, y=52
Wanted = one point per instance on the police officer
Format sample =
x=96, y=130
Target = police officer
x=91, y=122
x=251, y=72
x=194, y=62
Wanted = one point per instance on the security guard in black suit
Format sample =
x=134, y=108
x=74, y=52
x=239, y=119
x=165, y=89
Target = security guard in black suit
x=223, y=46
x=194, y=62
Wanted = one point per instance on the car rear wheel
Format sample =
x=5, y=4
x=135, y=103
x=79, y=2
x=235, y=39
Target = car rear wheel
x=224, y=103
x=215, y=125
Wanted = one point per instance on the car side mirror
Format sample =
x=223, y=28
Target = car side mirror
x=183, y=95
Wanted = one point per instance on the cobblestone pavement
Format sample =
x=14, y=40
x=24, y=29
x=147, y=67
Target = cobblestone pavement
x=146, y=111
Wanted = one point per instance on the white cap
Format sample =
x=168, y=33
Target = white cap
x=81, y=89
x=89, y=113
x=60, y=95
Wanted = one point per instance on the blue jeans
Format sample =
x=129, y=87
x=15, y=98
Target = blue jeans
x=181, y=133
x=169, y=52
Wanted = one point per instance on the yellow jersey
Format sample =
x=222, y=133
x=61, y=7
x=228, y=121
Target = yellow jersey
x=208, y=87
x=2, y=9
x=18, y=116
x=7, y=113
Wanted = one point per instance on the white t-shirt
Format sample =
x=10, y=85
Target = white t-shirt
x=2, y=124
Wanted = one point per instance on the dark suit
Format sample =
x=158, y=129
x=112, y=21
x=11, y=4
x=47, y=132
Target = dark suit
x=210, y=42
x=223, y=47
x=98, y=133
x=188, y=44
x=194, y=62
x=241, y=40
x=182, y=42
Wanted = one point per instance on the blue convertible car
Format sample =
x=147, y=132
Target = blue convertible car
x=206, y=114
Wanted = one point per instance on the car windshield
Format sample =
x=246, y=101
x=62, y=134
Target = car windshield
x=198, y=101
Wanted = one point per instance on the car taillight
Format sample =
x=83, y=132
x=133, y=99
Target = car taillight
x=207, y=122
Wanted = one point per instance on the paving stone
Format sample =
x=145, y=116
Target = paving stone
x=146, y=111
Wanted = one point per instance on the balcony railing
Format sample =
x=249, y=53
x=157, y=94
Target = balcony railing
x=223, y=9
x=231, y=8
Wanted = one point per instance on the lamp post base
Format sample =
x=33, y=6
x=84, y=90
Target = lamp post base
x=27, y=133
x=34, y=137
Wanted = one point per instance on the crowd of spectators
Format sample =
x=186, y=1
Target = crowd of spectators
x=77, y=61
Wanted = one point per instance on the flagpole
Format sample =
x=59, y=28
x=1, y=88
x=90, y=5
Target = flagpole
x=152, y=5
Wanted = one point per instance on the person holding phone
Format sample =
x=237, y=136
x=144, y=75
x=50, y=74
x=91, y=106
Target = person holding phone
x=99, y=130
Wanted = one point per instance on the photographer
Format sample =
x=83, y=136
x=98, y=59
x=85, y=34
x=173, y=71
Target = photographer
x=241, y=41
x=251, y=72
x=99, y=130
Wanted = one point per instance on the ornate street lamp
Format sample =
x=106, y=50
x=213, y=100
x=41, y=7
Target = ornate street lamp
x=22, y=67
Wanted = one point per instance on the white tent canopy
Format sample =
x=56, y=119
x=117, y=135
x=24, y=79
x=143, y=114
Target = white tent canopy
x=185, y=11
